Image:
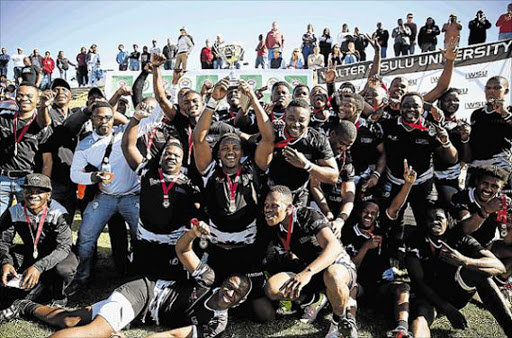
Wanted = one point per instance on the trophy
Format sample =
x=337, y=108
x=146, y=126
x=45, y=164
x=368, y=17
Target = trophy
x=232, y=54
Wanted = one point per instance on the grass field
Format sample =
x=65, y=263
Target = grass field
x=481, y=323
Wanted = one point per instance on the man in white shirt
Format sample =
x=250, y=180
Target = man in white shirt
x=154, y=49
x=17, y=62
x=185, y=45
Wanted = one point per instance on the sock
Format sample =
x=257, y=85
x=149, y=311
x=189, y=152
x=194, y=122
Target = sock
x=403, y=323
x=350, y=316
x=335, y=318
x=29, y=307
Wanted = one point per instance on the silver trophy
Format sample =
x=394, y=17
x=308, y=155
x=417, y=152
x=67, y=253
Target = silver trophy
x=232, y=54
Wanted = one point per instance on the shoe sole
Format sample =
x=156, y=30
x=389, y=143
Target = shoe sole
x=345, y=328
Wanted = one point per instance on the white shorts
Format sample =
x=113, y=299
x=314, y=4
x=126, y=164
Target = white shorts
x=116, y=310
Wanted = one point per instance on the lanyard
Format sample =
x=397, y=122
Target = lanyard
x=232, y=186
x=166, y=188
x=288, y=234
x=190, y=144
x=286, y=141
x=415, y=125
x=232, y=113
x=39, y=227
x=17, y=139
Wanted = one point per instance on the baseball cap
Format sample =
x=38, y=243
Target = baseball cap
x=453, y=15
x=183, y=29
x=58, y=82
x=38, y=181
x=95, y=90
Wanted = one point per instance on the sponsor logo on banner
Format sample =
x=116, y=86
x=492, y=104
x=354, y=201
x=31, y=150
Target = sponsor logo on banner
x=202, y=79
x=476, y=75
x=474, y=105
x=255, y=81
x=124, y=81
x=294, y=80
x=185, y=82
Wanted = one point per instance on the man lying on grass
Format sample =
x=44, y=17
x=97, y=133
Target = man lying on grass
x=191, y=309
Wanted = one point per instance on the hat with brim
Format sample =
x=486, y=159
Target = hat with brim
x=58, y=82
x=95, y=90
x=38, y=181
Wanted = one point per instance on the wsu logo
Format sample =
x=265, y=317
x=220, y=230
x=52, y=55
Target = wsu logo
x=251, y=82
x=185, y=83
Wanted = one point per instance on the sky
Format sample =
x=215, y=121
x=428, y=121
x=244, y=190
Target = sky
x=69, y=25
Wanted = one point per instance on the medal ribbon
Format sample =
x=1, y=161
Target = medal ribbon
x=39, y=227
x=232, y=186
x=166, y=188
x=190, y=144
x=418, y=125
x=24, y=130
x=288, y=240
x=284, y=143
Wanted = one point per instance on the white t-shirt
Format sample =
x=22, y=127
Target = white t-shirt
x=17, y=60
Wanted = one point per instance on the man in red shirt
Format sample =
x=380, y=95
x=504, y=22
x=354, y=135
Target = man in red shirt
x=505, y=24
x=48, y=67
x=275, y=39
x=207, y=56
x=261, y=52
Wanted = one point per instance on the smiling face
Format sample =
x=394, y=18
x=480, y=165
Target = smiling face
x=318, y=97
x=276, y=208
x=368, y=215
x=231, y=292
x=411, y=108
x=449, y=104
x=102, y=120
x=171, y=159
x=62, y=96
x=340, y=143
x=297, y=121
x=281, y=96
x=230, y=152
x=436, y=222
x=374, y=96
x=487, y=187
x=399, y=87
x=35, y=198
x=496, y=89
x=27, y=98
x=348, y=109
x=192, y=104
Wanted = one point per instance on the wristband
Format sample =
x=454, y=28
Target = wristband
x=212, y=103
x=464, y=142
x=308, y=167
x=376, y=173
x=481, y=214
x=446, y=145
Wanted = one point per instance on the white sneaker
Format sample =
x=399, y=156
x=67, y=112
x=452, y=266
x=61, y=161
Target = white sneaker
x=311, y=311
x=333, y=331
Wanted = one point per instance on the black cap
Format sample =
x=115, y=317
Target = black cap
x=58, y=82
x=38, y=181
x=96, y=90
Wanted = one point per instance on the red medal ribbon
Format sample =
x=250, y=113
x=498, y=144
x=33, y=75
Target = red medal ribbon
x=418, y=125
x=24, y=130
x=284, y=143
x=231, y=113
x=288, y=234
x=190, y=144
x=39, y=227
x=166, y=188
x=232, y=186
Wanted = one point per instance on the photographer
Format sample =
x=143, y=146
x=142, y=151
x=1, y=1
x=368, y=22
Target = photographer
x=451, y=29
x=427, y=39
x=477, y=28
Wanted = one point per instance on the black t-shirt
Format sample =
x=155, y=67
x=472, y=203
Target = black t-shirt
x=238, y=226
x=364, y=150
x=26, y=148
x=333, y=192
x=144, y=58
x=186, y=304
x=438, y=273
x=135, y=55
x=246, y=124
x=465, y=201
x=313, y=145
x=402, y=142
x=490, y=135
x=383, y=37
x=154, y=217
x=443, y=169
x=29, y=74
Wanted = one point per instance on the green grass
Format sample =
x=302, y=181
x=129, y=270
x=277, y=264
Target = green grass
x=371, y=324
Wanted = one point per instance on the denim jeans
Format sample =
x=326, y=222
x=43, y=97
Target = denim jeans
x=10, y=187
x=95, y=217
x=270, y=55
x=45, y=83
x=383, y=51
x=169, y=64
x=504, y=36
x=260, y=60
x=217, y=64
x=133, y=65
x=17, y=74
x=306, y=51
x=3, y=70
x=411, y=48
x=63, y=74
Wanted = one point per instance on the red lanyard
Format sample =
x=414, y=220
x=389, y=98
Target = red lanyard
x=232, y=186
x=284, y=143
x=190, y=144
x=415, y=125
x=24, y=130
x=288, y=234
x=502, y=216
x=231, y=113
x=150, y=142
x=39, y=228
x=166, y=188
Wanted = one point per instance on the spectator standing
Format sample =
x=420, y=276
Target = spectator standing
x=336, y=57
x=296, y=61
x=277, y=62
x=316, y=60
x=133, y=59
x=170, y=54
x=81, y=61
x=382, y=36
x=451, y=30
x=274, y=40
x=154, y=49
x=122, y=58
x=30, y=73
x=344, y=37
x=207, y=56
x=360, y=42
x=145, y=57
x=17, y=62
x=185, y=45
x=414, y=32
x=63, y=64
x=325, y=44
x=217, y=52
x=427, y=38
x=36, y=58
x=4, y=61
x=261, y=53
x=48, y=67
x=93, y=65
x=505, y=24
x=477, y=28
x=402, y=35
x=308, y=42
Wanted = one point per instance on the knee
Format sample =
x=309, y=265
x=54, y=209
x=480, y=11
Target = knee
x=335, y=275
x=274, y=284
x=400, y=290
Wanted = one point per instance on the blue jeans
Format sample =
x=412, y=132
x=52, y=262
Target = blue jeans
x=10, y=187
x=383, y=51
x=504, y=36
x=260, y=60
x=306, y=51
x=411, y=48
x=95, y=217
x=169, y=65
x=133, y=64
x=217, y=64
x=270, y=55
x=3, y=70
